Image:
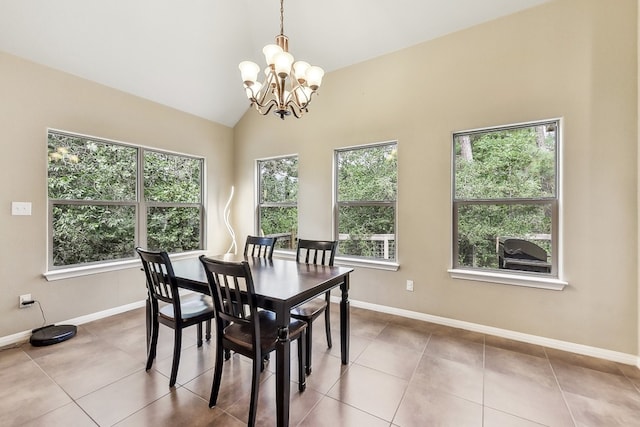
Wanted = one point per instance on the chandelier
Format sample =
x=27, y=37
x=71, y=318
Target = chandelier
x=288, y=86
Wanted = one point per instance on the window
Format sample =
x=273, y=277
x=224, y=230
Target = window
x=505, y=199
x=366, y=188
x=278, y=200
x=96, y=212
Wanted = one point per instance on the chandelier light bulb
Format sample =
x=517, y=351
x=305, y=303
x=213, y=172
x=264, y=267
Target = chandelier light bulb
x=249, y=71
x=270, y=51
x=314, y=77
x=299, y=70
x=283, y=62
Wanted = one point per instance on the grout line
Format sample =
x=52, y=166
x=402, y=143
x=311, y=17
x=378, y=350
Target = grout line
x=564, y=399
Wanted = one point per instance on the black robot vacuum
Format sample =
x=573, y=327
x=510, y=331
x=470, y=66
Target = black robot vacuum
x=52, y=334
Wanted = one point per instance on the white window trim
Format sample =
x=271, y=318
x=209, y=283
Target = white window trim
x=346, y=260
x=523, y=279
x=106, y=267
x=53, y=273
x=509, y=279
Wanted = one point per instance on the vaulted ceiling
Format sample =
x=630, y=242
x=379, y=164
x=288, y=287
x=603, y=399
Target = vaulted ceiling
x=185, y=53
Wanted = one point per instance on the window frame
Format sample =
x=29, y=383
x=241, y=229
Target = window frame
x=140, y=205
x=551, y=280
x=355, y=260
x=259, y=205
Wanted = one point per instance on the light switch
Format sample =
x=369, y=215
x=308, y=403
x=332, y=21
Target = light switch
x=20, y=208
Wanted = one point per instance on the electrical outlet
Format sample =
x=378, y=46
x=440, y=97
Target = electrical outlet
x=410, y=285
x=23, y=298
x=20, y=208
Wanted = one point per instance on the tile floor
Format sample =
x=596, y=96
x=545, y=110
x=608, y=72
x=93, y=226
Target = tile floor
x=402, y=373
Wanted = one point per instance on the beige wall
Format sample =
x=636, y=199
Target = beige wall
x=33, y=98
x=574, y=59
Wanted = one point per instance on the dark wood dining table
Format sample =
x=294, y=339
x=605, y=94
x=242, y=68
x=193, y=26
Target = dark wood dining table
x=280, y=285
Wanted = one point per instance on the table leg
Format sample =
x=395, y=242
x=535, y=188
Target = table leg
x=344, y=321
x=283, y=366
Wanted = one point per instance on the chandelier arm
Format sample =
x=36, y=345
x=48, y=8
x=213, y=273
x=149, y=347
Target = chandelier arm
x=264, y=91
x=296, y=109
x=269, y=107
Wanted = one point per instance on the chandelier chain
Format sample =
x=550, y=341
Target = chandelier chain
x=281, y=17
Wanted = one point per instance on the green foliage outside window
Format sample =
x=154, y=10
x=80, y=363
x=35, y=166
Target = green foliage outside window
x=367, y=187
x=505, y=186
x=278, y=200
x=95, y=205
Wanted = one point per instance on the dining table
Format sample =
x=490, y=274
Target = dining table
x=280, y=285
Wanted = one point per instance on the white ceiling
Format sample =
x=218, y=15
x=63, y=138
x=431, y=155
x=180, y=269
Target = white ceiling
x=184, y=53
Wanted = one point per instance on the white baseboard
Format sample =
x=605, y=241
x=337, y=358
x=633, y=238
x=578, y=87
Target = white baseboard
x=615, y=356
x=25, y=335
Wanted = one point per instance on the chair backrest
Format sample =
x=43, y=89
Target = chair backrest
x=260, y=246
x=231, y=286
x=161, y=280
x=318, y=252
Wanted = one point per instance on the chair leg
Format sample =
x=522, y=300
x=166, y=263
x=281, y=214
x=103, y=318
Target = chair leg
x=327, y=323
x=177, y=344
x=255, y=384
x=307, y=344
x=208, y=334
x=199, y=342
x=302, y=346
x=151, y=352
x=217, y=375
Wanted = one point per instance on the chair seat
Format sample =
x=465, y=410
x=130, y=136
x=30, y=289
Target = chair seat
x=310, y=309
x=240, y=334
x=191, y=306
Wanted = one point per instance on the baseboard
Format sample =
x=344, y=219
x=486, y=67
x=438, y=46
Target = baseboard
x=25, y=335
x=624, y=358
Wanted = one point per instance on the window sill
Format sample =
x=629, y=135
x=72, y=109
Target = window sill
x=85, y=270
x=509, y=279
x=346, y=261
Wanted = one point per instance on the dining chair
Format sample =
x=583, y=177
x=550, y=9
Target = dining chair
x=170, y=308
x=316, y=252
x=242, y=328
x=260, y=246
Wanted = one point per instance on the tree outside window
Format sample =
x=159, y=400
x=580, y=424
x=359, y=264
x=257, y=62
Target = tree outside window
x=505, y=198
x=278, y=200
x=96, y=212
x=366, y=188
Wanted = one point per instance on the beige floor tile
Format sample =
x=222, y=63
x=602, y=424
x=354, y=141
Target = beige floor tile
x=332, y=413
x=429, y=407
x=526, y=399
x=301, y=403
x=456, y=349
x=455, y=378
x=27, y=392
x=125, y=397
x=598, y=385
x=595, y=413
x=404, y=336
x=390, y=358
x=370, y=390
x=68, y=415
x=235, y=382
x=536, y=369
x=179, y=408
x=493, y=418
